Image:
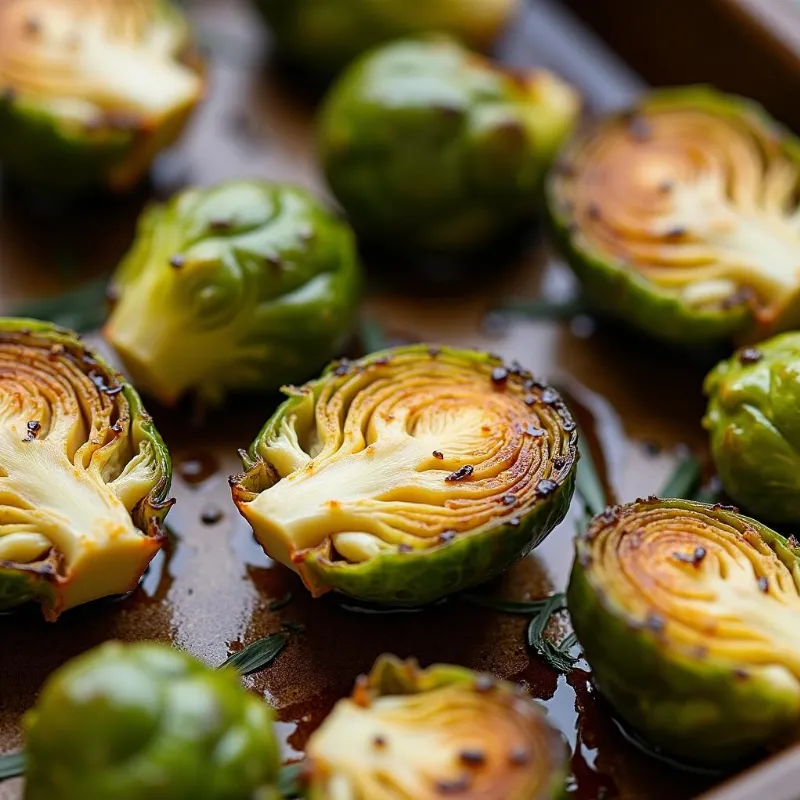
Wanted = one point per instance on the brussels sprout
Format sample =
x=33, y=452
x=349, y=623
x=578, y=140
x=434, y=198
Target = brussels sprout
x=414, y=734
x=323, y=35
x=242, y=286
x=91, y=90
x=84, y=475
x=687, y=614
x=409, y=474
x=430, y=146
x=680, y=216
x=755, y=429
x=146, y=721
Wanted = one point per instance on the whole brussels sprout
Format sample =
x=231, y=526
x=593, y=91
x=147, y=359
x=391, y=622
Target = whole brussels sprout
x=679, y=216
x=429, y=146
x=754, y=427
x=687, y=614
x=84, y=475
x=418, y=734
x=130, y=722
x=242, y=286
x=324, y=35
x=409, y=474
x=92, y=90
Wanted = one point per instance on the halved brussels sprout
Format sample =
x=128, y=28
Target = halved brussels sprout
x=428, y=145
x=682, y=216
x=84, y=475
x=755, y=427
x=130, y=722
x=324, y=35
x=414, y=734
x=92, y=90
x=687, y=614
x=238, y=287
x=409, y=474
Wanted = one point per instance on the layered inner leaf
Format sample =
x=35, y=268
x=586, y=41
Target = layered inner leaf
x=449, y=741
x=70, y=474
x=708, y=580
x=81, y=58
x=699, y=199
x=409, y=451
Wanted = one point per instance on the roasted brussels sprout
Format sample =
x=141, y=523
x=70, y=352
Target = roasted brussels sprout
x=323, y=35
x=409, y=474
x=92, y=90
x=145, y=721
x=242, y=286
x=429, y=146
x=687, y=615
x=409, y=733
x=680, y=216
x=84, y=475
x=754, y=426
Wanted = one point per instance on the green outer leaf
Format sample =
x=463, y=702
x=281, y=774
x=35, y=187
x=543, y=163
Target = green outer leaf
x=694, y=707
x=683, y=480
x=22, y=583
x=418, y=578
x=754, y=428
x=612, y=287
x=12, y=765
x=83, y=309
x=257, y=655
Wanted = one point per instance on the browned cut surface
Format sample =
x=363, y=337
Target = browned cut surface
x=211, y=593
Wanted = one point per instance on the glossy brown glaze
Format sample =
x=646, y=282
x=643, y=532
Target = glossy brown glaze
x=211, y=591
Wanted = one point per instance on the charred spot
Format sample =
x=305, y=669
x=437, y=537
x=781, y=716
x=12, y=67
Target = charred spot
x=33, y=26
x=453, y=785
x=678, y=232
x=342, y=368
x=33, y=428
x=438, y=454
x=462, y=473
x=750, y=355
x=763, y=584
x=519, y=756
x=100, y=384
x=382, y=361
x=529, y=400
x=404, y=548
x=118, y=426
x=484, y=684
x=609, y=515
x=593, y=211
x=793, y=541
x=499, y=376
x=472, y=757
x=550, y=396
x=177, y=261
x=639, y=128
x=740, y=674
x=738, y=298
x=220, y=225
x=546, y=487
x=559, y=462
x=723, y=507
x=211, y=515
x=8, y=95
x=434, y=352
x=532, y=430
x=447, y=536
x=665, y=187
x=654, y=622
x=695, y=558
x=379, y=742
x=569, y=425
x=509, y=499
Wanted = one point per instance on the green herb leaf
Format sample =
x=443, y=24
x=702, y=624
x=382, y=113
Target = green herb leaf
x=281, y=602
x=83, y=309
x=12, y=765
x=558, y=660
x=707, y=494
x=569, y=641
x=257, y=655
x=588, y=485
x=373, y=336
x=289, y=783
x=684, y=479
x=525, y=608
x=540, y=308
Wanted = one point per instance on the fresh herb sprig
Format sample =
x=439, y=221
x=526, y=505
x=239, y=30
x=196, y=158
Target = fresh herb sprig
x=540, y=308
x=258, y=654
x=12, y=765
x=83, y=309
x=683, y=481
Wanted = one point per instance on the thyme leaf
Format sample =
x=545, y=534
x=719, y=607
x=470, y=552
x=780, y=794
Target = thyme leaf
x=684, y=479
x=12, y=765
x=258, y=654
x=83, y=309
x=290, y=783
x=588, y=485
x=540, y=308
